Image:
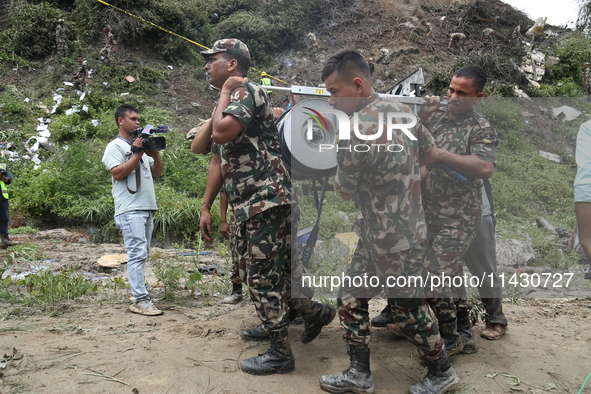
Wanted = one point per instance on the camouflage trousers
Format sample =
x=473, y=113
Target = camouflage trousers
x=79, y=83
x=62, y=49
x=106, y=52
x=235, y=274
x=411, y=313
x=263, y=247
x=448, y=242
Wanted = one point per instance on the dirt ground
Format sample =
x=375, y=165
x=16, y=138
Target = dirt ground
x=98, y=346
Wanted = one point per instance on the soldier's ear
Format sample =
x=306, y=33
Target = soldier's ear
x=359, y=84
x=232, y=64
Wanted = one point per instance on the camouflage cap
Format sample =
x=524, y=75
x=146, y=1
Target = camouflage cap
x=230, y=45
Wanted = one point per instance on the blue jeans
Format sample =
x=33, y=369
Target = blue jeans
x=137, y=227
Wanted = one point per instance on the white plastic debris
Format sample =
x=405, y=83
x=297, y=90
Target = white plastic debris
x=94, y=122
x=72, y=110
x=170, y=67
x=68, y=83
x=85, y=108
x=26, y=100
x=82, y=96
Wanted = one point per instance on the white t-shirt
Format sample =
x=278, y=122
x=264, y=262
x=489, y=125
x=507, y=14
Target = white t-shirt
x=583, y=154
x=118, y=152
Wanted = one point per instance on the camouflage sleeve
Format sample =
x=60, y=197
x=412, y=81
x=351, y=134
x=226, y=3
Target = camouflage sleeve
x=213, y=147
x=484, y=142
x=242, y=106
x=426, y=140
x=348, y=171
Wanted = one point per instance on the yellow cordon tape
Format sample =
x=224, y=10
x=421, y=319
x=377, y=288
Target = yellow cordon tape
x=538, y=162
x=174, y=34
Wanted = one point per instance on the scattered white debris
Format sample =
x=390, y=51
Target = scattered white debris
x=569, y=113
x=169, y=67
x=68, y=83
x=94, y=122
x=26, y=100
x=72, y=110
x=550, y=156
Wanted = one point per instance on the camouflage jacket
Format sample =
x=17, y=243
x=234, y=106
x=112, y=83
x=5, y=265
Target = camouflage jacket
x=60, y=34
x=444, y=196
x=586, y=73
x=457, y=36
x=255, y=177
x=110, y=39
x=487, y=33
x=388, y=182
x=384, y=56
x=428, y=28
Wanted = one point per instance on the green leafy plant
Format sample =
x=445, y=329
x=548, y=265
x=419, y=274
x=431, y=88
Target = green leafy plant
x=169, y=273
x=49, y=288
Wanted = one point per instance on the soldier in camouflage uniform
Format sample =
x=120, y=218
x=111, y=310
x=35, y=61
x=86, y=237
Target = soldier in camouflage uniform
x=487, y=37
x=110, y=44
x=249, y=164
x=456, y=40
x=202, y=143
x=392, y=229
x=81, y=78
x=384, y=60
x=452, y=194
x=61, y=39
x=428, y=38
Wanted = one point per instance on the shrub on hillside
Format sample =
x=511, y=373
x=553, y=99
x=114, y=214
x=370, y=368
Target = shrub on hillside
x=185, y=18
x=30, y=30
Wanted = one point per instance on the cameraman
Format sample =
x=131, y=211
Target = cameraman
x=133, y=170
x=5, y=179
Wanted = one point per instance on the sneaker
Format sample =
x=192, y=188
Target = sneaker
x=145, y=307
x=493, y=331
x=233, y=298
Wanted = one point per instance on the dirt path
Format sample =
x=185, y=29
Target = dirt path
x=106, y=349
x=96, y=345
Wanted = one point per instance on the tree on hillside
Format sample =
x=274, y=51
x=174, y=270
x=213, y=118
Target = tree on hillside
x=584, y=17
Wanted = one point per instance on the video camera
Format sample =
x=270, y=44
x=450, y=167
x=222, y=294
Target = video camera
x=150, y=141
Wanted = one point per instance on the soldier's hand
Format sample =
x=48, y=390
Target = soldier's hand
x=431, y=105
x=225, y=229
x=205, y=226
x=233, y=83
x=277, y=112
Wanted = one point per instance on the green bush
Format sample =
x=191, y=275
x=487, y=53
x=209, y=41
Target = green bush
x=31, y=29
x=185, y=18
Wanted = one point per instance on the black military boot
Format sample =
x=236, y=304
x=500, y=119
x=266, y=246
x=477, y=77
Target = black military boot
x=440, y=377
x=465, y=331
x=236, y=295
x=450, y=336
x=384, y=318
x=278, y=359
x=356, y=379
x=315, y=314
x=259, y=333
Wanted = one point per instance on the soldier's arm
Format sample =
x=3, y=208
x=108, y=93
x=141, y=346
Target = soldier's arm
x=212, y=188
x=471, y=166
x=478, y=164
x=202, y=138
x=226, y=128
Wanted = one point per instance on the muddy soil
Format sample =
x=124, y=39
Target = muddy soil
x=95, y=345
